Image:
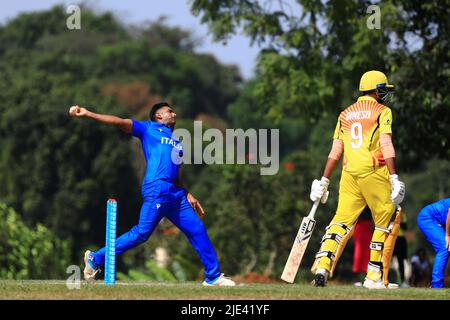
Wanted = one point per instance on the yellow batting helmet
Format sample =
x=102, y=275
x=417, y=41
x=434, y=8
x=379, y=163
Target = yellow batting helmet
x=372, y=80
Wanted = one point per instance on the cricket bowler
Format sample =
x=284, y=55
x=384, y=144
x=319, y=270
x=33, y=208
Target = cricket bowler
x=162, y=192
x=369, y=177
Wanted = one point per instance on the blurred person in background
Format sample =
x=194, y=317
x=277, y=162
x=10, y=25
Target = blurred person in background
x=361, y=252
x=420, y=269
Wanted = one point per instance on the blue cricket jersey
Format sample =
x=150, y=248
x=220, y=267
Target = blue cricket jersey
x=439, y=210
x=161, y=149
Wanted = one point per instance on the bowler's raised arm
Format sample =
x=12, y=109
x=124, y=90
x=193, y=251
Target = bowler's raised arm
x=126, y=125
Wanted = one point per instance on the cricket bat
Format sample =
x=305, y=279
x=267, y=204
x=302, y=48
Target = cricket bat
x=299, y=246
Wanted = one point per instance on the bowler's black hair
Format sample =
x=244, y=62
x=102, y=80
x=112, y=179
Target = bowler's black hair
x=155, y=108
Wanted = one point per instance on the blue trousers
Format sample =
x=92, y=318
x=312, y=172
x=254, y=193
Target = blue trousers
x=163, y=199
x=435, y=233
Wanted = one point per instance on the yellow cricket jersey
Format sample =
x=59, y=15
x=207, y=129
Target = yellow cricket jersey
x=359, y=127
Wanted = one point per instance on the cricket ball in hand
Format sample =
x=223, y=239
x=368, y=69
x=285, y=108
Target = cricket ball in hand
x=72, y=110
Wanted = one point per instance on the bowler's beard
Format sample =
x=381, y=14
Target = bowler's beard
x=170, y=123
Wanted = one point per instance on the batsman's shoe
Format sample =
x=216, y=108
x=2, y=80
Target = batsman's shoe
x=90, y=269
x=374, y=284
x=221, y=281
x=321, y=277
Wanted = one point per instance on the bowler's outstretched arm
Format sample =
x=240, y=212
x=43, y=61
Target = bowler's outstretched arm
x=126, y=125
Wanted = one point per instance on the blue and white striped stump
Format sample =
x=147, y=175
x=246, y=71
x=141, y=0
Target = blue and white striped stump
x=110, y=254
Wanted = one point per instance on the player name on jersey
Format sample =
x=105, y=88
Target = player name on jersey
x=358, y=115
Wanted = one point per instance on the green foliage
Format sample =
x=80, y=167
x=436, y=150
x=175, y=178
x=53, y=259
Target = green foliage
x=27, y=253
x=58, y=171
x=152, y=273
x=52, y=163
x=178, y=271
x=262, y=212
x=174, y=272
x=314, y=53
x=160, y=273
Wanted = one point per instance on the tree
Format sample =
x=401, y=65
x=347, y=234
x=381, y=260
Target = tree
x=27, y=253
x=58, y=171
x=252, y=219
x=313, y=53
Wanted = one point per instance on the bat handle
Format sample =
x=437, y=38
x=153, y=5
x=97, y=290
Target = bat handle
x=313, y=209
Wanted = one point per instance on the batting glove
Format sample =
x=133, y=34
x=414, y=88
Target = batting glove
x=398, y=189
x=319, y=190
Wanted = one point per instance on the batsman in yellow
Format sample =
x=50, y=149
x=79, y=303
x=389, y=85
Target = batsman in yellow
x=363, y=135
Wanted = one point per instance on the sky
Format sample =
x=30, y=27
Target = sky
x=237, y=51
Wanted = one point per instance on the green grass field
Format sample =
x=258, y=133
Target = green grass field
x=16, y=290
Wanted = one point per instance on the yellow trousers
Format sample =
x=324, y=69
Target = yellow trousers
x=355, y=193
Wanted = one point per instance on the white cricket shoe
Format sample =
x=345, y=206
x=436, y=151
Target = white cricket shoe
x=89, y=271
x=221, y=281
x=378, y=284
x=374, y=284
